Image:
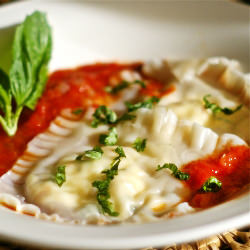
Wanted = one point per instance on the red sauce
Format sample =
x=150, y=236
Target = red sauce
x=74, y=88
x=231, y=167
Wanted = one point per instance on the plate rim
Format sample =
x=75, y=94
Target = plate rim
x=233, y=219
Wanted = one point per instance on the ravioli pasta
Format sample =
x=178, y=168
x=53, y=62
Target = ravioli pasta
x=177, y=130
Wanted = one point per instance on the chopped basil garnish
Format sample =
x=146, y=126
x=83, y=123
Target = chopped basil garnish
x=103, y=186
x=60, y=176
x=119, y=150
x=77, y=111
x=139, y=144
x=103, y=115
x=94, y=154
x=216, y=109
x=145, y=104
x=110, y=139
x=211, y=185
x=126, y=117
x=175, y=171
x=122, y=85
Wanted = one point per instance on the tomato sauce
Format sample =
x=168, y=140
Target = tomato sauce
x=75, y=88
x=231, y=167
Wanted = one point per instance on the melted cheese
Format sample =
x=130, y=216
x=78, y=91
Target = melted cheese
x=137, y=185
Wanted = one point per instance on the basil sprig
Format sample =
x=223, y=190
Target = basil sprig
x=28, y=73
x=216, y=109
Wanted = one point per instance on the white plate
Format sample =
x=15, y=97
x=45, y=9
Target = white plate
x=86, y=32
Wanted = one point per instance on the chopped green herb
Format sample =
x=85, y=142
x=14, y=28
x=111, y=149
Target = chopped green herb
x=141, y=83
x=216, y=109
x=103, y=197
x=29, y=70
x=119, y=150
x=211, y=185
x=60, y=176
x=103, y=115
x=103, y=186
x=126, y=117
x=95, y=154
x=139, y=144
x=145, y=104
x=175, y=171
x=110, y=139
x=77, y=111
x=122, y=85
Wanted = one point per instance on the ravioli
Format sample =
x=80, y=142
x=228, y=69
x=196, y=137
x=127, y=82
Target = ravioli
x=178, y=130
x=138, y=190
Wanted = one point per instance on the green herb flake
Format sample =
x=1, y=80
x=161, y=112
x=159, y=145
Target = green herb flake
x=141, y=83
x=139, y=144
x=110, y=139
x=211, y=185
x=103, y=197
x=126, y=117
x=122, y=85
x=103, y=185
x=77, y=111
x=29, y=70
x=145, y=104
x=216, y=109
x=103, y=115
x=175, y=171
x=94, y=154
x=119, y=150
x=60, y=176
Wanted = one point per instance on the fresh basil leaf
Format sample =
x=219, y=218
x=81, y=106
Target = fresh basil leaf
x=5, y=97
x=28, y=72
x=31, y=53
